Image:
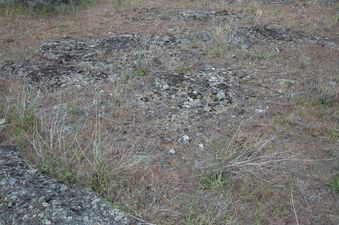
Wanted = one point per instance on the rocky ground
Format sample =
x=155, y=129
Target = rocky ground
x=30, y=197
x=183, y=113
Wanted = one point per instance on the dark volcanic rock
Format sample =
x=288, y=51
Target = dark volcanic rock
x=29, y=197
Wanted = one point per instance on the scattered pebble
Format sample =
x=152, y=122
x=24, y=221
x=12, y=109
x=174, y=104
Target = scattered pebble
x=184, y=140
x=172, y=151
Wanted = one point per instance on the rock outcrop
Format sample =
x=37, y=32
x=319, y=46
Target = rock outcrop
x=28, y=196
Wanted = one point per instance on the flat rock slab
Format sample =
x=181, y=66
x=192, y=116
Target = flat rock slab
x=28, y=196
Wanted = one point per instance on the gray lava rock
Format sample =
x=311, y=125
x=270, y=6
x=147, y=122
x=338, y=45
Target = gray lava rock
x=29, y=197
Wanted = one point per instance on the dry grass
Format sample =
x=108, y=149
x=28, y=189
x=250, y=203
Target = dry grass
x=201, y=189
x=272, y=169
x=22, y=32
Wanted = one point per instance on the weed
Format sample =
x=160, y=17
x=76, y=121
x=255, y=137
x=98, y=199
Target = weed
x=278, y=210
x=148, y=52
x=334, y=184
x=121, y=5
x=277, y=11
x=304, y=62
x=115, y=204
x=52, y=167
x=195, y=43
x=261, y=55
x=24, y=122
x=131, y=86
x=47, y=167
x=13, y=7
x=325, y=100
x=300, y=99
x=99, y=179
x=220, y=42
x=141, y=71
x=126, y=75
x=98, y=153
x=208, y=210
x=70, y=176
x=183, y=69
x=284, y=120
x=215, y=180
x=335, y=133
x=116, y=100
x=2, y=104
